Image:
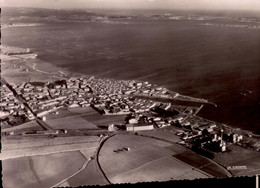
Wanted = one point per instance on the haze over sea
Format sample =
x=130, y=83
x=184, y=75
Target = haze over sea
x=209, y=55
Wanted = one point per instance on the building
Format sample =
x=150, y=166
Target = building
x=139, y=127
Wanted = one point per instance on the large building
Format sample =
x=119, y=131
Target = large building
x=139, y=127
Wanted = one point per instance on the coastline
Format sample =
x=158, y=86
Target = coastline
x=38, y=71
x=215, y=163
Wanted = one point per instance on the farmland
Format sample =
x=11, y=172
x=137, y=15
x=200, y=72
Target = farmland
x=162, y=169
x=71, y=123
x=248, y=158
x=63, y=112
x=143, y=152
x=40, y=171
x=202, y=163
x=89, y=176
x=151, y=159
x=32, y=125
x=81, y=118
x=40, y=146
x=167, y=133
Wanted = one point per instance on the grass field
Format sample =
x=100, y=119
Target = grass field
x=252, y=165
x=148, y=160
x=79, y=118
x=166, y=133
x=142, y=150
x=163, y=169
x=104, y=120
x=64, y=112
x=30, y=147
x=40, y=171
x=89, y=176
x=71, y=123
x=202, y=163
x=238, y=156
x=16, y=171
x=29, y=126
x=234, y=155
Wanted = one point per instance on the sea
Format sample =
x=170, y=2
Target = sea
x=210, y=55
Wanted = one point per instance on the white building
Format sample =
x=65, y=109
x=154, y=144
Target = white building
x=144, y=127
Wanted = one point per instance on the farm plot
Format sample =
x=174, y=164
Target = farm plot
x=82, y=110
x=40, y=171
x=252, y=166
x=16, y=171
x=163, y=134
x=163, y=169
x=64, y=112
x=29, y=126
x=104, y=120
x=202, y=163
x=14, y=143
x=40, y=142
x=229, y=157
x=83, y=115
x=142, y=150
x=53, y=168
x=71, y=123
x=47, y=146
x=89, y=176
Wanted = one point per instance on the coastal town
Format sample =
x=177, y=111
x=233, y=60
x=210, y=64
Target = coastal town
x=140, y=102
x=100, y=93
x=111, y=129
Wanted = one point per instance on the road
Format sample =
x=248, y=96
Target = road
x=96, y=156
x=18, y=97
x=43, y=124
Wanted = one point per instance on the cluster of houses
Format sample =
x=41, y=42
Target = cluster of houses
x=110, y=96
x=12, y=111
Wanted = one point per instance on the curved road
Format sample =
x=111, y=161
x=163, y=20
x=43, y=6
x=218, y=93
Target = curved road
x=97, y=155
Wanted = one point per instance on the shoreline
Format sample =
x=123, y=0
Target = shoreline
x=65, y=74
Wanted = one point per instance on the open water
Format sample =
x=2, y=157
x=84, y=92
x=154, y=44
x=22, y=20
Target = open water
x=215, y=56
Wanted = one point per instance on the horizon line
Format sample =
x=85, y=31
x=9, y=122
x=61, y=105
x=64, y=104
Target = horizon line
x=145, y=9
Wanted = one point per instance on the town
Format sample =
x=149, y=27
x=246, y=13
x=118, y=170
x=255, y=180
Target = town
x=138, y=101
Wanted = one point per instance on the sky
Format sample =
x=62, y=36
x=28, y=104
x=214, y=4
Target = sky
x=138, y=4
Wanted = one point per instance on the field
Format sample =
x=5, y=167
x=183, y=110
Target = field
x=67, y=112
x=238, y=156
x=142, y=150
x=231, y=156
x=148, y=160
x=163, y=169
x=103, y=120
x=71, y=123
x=40, y=171
x=89, y=176
x=40, y=146
x=252, y=165
x=82, y=118
x=17, y=75
x=167, y=133
x=29, y=126
x=202, y=163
